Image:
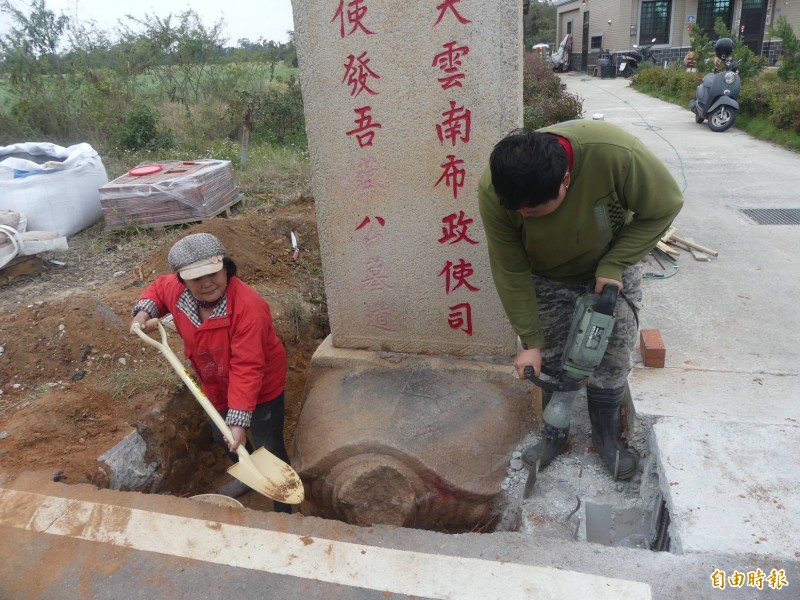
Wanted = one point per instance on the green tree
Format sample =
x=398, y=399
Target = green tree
x=30, y=52
x=539, y=25
x=790, y=50
x=178, y=52
x=701, y=49
x=748, y=63
x=32, y=43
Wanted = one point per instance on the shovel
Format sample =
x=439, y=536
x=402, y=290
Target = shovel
x=262, y=471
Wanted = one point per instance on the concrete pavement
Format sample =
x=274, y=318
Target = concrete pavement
x=724, y=410
x=719, y=427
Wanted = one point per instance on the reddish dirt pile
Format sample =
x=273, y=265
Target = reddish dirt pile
x=74, y=382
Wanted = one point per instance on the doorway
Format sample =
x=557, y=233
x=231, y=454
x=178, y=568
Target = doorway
x=751, y=25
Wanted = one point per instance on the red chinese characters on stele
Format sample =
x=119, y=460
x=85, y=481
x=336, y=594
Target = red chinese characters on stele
x=364, y=131
x=351, y=18
x=453, y=129
x=450, y=63
x=358, y=73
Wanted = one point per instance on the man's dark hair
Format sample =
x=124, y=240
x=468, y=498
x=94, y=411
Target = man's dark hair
x=527, y=168
x=227, y=264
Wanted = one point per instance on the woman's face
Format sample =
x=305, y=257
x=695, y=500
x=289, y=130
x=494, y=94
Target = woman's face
x=208, y=288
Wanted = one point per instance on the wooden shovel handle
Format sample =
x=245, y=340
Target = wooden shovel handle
x=177, y=365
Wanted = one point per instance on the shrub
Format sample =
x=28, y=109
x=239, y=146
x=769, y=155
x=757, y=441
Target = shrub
x=764, y=96
x=140, y=131
x=786, y=112
x=275, y=116
x=13, y=131
x=749, y=65
x=668, y=83
x=208, y=120
x=544, y=97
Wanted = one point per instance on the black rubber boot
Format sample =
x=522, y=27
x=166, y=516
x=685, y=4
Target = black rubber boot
x=553, y=442
x=546, y=397
x=234, y=489
x=605, y=407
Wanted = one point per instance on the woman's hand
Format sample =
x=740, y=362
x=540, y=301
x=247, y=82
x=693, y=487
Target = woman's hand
x=239, y=437
x=528, y=358
x=142, y=318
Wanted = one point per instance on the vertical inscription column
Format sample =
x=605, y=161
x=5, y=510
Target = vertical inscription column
x=404, y=101
x=453, y=130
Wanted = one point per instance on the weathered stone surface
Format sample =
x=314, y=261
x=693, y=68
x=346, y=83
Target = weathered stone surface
x=403, y=103
x=407, y=439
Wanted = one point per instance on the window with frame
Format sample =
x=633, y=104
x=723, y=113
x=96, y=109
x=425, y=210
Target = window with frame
x=655, y=21
x=569, y=27
x=708, y=11
x=596, y=42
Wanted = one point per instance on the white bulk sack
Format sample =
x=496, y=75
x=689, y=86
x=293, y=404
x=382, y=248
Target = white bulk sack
x=56, y=188
x=16, y=241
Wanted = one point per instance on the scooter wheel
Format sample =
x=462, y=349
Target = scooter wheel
x=722, y=118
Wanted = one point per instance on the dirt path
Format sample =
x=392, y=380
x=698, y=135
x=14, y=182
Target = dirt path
x=73, y=382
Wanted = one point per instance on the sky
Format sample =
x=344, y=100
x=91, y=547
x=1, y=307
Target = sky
x=251, y=19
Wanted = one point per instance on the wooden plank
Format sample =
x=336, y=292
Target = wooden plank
x=667, y=249
x=19, y=267
x=671, y=230
x=695, y=246
x=696, y=254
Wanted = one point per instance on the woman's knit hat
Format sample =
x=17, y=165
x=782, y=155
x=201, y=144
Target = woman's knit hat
x=196, y=255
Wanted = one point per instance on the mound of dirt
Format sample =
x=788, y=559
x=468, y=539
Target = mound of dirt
x=74, y=382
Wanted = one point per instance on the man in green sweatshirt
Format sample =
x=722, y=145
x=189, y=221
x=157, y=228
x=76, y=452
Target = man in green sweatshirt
x=569, y=206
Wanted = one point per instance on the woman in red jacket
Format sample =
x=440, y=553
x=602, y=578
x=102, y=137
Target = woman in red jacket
x=230, y=340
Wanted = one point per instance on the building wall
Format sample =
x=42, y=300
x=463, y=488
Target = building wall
x=681, y=11
x=787, y=8
x=618, y=22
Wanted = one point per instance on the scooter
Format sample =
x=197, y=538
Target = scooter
x=559, y=60
x=716, y=98
x=629, y=61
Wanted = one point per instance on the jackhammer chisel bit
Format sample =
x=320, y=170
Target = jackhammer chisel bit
x=530, y=482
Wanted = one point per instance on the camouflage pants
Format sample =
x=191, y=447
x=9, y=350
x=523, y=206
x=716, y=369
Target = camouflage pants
x=556, y=307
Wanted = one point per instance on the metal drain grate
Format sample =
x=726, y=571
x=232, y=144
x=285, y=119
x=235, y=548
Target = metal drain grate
x=773, y=216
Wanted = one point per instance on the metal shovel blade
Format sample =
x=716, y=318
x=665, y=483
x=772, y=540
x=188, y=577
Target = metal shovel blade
x=270, y=476
x=262, y=471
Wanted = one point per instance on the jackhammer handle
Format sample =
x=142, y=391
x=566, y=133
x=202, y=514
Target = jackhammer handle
x=608, y=299
x=550, y=386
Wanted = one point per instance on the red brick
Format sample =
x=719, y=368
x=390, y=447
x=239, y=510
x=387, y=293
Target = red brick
x=652, y=347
